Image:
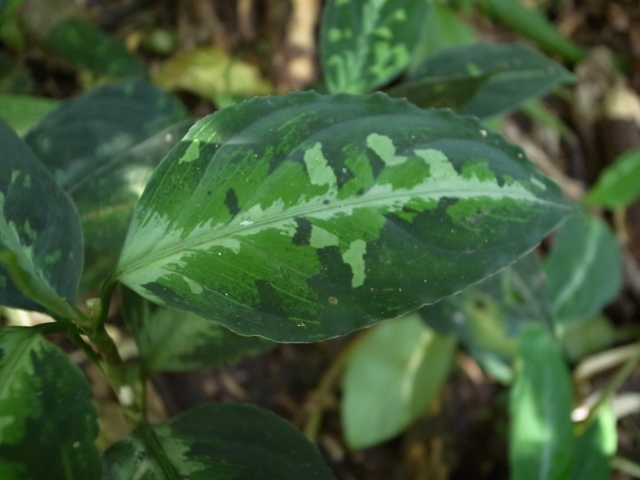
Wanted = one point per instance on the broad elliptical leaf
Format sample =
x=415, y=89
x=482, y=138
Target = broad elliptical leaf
x=304, y=217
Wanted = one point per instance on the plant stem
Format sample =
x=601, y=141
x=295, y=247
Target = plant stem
x=615, y=384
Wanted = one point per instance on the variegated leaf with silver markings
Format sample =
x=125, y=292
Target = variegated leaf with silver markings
x=305, y=216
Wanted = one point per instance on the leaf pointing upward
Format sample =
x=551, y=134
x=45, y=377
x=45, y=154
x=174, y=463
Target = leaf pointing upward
x=305, y=216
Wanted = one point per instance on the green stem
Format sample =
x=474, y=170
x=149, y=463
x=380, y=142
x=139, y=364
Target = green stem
x=615, y=384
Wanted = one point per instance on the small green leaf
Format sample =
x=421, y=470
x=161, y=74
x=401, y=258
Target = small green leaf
x=217, y=441
x=364, y=44
x=47, y=419
x=21, y=112
x=584, y=269
x=518, y=74
x=87, y=46
x=487, y=318
x=542, y=446
x=619, y=184
x=305, y=216
x=391, y=378
x=40, y=234
x=86, y=133
x=595, y=447
x=177, y=341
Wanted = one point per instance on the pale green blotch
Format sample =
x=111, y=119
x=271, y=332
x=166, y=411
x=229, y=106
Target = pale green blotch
x=478, y=169
x=439, y=164
x=538, y=183
x=28, y=229
x=195, y=287
x=354, y=257
x=192, y=153
x=335, y=35
x=320, y=173
x=53, y=257
x=27, y=181
x=385, y=149
x=384, y=32
x=321, y=238
x=342, y=2
x=473, y=70
x=14, y=175
x=400, y=15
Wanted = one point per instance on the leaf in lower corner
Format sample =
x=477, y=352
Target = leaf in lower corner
x=40, y=234
x=174, y=341
x=542, y=445
x=305, y=216
x=391, y=378
x=47, y=419
x=227, y=441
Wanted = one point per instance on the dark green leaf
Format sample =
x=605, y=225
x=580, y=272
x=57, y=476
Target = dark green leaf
x=488, y=317
x=518, y=74
x=40, y=234
x=87, y=46
x=176, y=341
x=89, y=131
x=542, y=446
x=440, y=92
x=106, y=196
x=391, y=378
x=584, y=269
x=47, y=419
x=21, y=112
x=595, y=447
x=217, y=441
x=619, y=184
x=366, y=43
x=306, y=216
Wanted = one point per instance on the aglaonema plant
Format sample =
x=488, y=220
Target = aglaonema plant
x=293, y=218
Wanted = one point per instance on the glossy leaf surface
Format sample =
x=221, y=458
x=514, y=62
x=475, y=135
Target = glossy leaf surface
x=584, y=269
x=47, y=419
x=169, y=340
x=391, y=378
x=87, y=132
x=86, y=45
x=40, y=235
x=518, y=74
x=217, y=441
x=306, y=216
x=487, y=318
x=366, y=43
x=619, y=184
x=542, y=445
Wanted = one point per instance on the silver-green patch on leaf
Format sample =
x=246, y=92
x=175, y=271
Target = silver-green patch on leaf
x=305, y=216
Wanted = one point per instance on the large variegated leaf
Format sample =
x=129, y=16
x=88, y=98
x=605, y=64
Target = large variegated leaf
x=174, y=341
x=48, y=422
x=40, y=235
x=306, y=216
x=217, y=441
x=365, y=43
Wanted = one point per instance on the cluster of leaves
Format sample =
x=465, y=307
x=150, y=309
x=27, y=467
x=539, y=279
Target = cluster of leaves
x=292, y=218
